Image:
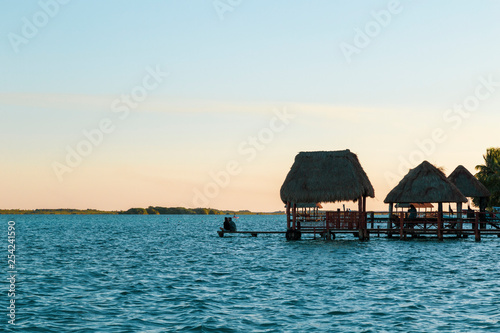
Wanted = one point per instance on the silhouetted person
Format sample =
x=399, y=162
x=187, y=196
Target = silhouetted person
x=227, y=225
x=412, y=212
x=470, y=212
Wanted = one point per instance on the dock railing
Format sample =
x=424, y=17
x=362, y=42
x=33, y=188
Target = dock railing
x=425, y=223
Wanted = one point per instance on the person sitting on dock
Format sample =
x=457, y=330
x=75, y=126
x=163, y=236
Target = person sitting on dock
x=412, y=212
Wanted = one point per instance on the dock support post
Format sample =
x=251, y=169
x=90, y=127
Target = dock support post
x=362, y=219
x=389, y=223
x=359, y=220
x=460, y=223
x=483, y=202
x=440, y=221
x=401, y=225
x=288, y=215
x=477, y=233
x=365, y=217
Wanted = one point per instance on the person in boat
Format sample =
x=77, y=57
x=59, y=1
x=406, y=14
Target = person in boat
x=229, y=224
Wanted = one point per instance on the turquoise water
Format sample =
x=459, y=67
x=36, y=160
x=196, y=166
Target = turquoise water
x=174, y=274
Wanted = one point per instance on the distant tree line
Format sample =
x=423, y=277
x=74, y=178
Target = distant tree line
x=62, y=211
x=134, y=211
x=182, y=211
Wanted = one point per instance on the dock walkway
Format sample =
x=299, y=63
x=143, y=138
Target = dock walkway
x=402, y=227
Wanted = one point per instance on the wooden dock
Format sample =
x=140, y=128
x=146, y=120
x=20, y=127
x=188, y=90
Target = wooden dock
x=221, y=233
x=398, y=226
x=253, y=233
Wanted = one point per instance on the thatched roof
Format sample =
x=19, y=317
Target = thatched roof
x=425, y=183
x=326, y=176
x=309, y=205
x=416, y=205
x=469, y=185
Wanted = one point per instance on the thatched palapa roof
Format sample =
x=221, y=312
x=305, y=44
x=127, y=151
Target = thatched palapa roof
x=326, y=176
x=309, y=205
x=469, y=185
x=425, y=183
x=416, y=205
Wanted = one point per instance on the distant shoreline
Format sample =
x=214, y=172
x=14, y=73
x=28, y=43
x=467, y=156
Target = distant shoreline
x=135, y=211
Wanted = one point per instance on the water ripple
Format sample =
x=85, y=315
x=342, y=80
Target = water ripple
x=174, y=274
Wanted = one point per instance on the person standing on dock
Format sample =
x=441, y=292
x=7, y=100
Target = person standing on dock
x=470, y=212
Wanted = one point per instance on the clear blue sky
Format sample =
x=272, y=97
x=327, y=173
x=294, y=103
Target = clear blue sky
x=230, y=69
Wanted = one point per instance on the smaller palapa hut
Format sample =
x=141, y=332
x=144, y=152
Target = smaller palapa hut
x=324, y=176
x=470, y=186
x=425, y=184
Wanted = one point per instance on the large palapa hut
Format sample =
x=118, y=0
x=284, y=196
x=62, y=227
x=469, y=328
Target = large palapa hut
x=470, y=186
x=425, y=184
x=324, y=176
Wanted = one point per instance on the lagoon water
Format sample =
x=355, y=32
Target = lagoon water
x=174, y=274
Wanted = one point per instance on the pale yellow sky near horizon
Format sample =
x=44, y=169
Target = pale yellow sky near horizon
x=117, y=175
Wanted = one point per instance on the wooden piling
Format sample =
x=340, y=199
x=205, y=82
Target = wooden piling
x=440, y=221
x=477, y=232
x=389, y=222
x=288, y=215
x=460, y=223
x=401, y=225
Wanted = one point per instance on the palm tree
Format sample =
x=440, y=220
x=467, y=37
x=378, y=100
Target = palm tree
x=489, y=175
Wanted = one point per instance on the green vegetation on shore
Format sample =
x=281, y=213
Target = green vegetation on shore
x=134, y=211
x=489, y=175
x=183, y=211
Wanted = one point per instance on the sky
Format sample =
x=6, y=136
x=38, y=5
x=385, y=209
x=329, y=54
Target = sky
x=118, y=104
